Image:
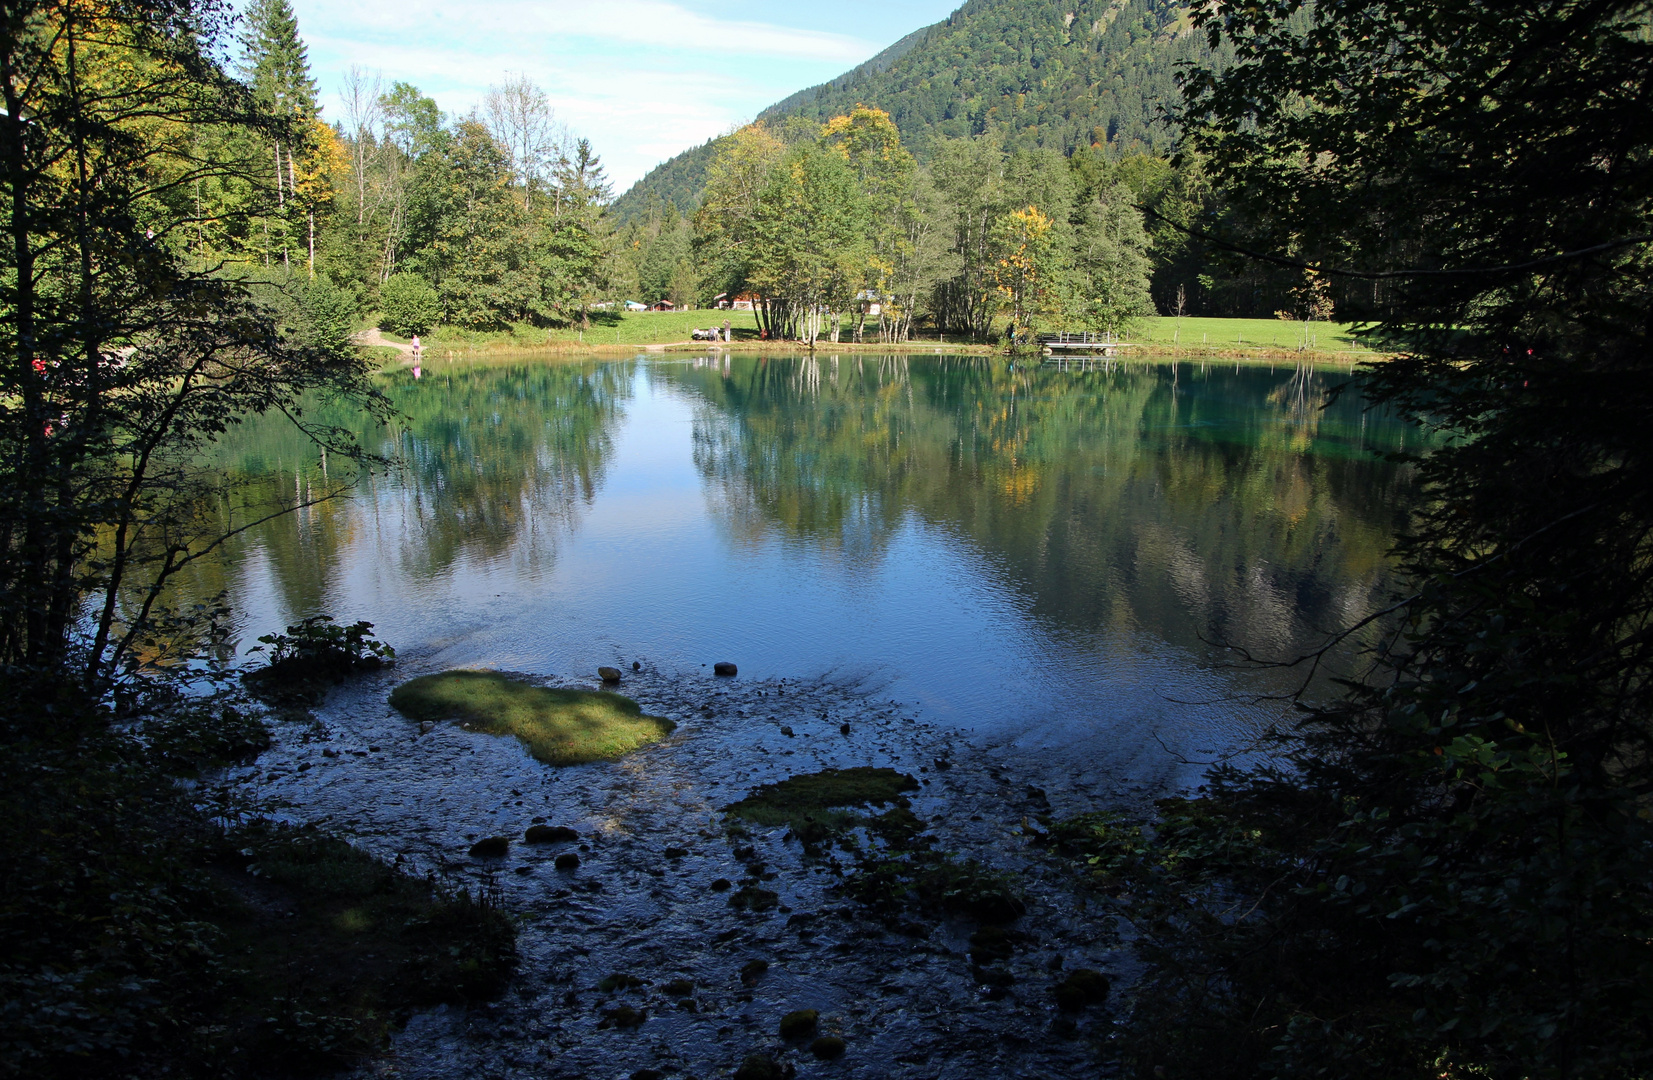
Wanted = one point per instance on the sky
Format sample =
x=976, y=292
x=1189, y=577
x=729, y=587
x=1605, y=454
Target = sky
x=642, y=79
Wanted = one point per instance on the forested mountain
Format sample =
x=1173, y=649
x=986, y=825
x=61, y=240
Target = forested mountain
x=1043, y=73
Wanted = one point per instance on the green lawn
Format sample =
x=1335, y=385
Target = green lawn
x=1240, y=333
x=607, y=328
x=637, y=328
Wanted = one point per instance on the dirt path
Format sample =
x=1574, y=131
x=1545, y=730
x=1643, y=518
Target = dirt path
x=374, y=337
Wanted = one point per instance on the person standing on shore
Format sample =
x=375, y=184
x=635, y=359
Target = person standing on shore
x=726, y=331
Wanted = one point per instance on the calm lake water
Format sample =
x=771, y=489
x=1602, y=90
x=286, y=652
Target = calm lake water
x=1038, y=557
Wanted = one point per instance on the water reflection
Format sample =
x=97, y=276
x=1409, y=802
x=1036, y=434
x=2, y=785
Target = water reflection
x=1191, y=502
x=488, y=462
x=1037, y=555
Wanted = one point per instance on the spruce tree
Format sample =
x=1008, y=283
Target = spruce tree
x=275, y=61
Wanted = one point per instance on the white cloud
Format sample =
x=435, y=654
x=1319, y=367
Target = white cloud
x=642, y=79
x=622, y=22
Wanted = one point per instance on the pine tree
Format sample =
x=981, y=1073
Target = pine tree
x=276, y=64
x=275, y=61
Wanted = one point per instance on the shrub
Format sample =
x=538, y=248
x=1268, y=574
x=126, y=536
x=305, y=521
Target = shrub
x=408, y=305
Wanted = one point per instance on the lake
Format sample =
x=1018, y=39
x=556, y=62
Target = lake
x=1044, y=559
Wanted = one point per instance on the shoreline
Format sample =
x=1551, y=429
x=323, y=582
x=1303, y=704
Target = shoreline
x=1342, y=358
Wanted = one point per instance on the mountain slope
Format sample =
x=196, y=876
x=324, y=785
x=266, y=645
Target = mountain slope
x=1052, y=73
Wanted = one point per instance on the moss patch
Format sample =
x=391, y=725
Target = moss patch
x=824, y=805
x=559, y=727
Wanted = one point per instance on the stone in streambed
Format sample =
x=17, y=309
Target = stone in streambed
x=827, y=1048
x=799, y=1025
x=724, y=667
x=1082, y=987
x=550, y=834
x=761, y=1067
x=491, y=847
x=753, y=971
x=567, y=861
x=609, y=674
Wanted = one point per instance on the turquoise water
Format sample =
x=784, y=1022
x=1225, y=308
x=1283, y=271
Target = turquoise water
x=1046, y=559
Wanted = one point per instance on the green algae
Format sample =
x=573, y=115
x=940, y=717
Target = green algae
x=822, y=806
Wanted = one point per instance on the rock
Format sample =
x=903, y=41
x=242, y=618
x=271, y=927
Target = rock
x=648, y=1074
x=1082, y=987
x=799, y=1025
x=752, y=898
x=618, y=981
x=676, y=852
x=723, y=667
x=635, y=666
x=722, y=884
x=567, y=861
x=427, y=726
x=623, y=1017
x=827, y=1048
x=491, y=847
x=843, y=729
x=990, y=945
x=787, y=732
x=679, y=988
x=609, y=674
x=761, y=1067
x=753, y=971
x=550, y=834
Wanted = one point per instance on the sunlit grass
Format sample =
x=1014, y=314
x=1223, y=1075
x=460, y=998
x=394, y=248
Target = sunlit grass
x=559, y=727
x=1245, y=333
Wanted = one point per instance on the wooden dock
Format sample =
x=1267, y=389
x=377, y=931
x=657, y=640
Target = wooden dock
x=1084, y=344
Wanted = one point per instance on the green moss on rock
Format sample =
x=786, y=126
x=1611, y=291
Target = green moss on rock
x=559, y=727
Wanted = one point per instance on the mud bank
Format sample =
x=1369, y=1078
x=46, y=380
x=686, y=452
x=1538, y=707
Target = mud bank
x=904, y=995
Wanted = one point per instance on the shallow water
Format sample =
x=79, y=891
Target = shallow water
x=1018, y=570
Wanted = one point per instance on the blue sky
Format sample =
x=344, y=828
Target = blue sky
x=642, y=79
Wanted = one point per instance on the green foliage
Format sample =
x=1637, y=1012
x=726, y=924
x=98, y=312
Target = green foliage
x=1437, y=877
x=320, y=648
x=327, y=317
x=559, y=727
x=408, y=305
x=1111, y=263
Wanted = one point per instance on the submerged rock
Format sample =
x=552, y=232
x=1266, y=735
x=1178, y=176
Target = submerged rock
x=722, y=884
x=623, y=1017
x=799, y=1024
x=827, y=1047
x=762, y=1067
x=619, y=981
x=491, y=847
x=1082, y=987
x=550, y=834
x=753, y=971
x=567, y=861
x=678, y=988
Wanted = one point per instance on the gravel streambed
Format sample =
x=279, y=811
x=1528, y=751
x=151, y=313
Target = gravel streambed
x=907, y=1001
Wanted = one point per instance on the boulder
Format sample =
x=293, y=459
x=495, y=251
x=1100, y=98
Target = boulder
x=724, y=667
x=491, y=847
x=567, y=861
x=609, y=674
